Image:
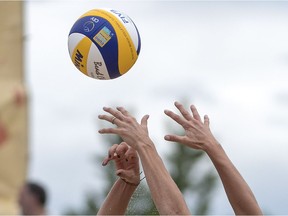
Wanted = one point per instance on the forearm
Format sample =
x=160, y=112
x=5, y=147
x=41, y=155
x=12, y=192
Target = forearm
x=118, y=199
x=238, y=192
x=165, y=193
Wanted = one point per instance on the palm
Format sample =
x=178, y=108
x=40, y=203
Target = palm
x=197, y=132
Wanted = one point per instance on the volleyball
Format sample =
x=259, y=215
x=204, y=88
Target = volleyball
x=104, y=43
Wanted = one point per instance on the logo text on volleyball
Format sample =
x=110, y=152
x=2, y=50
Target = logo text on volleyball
x=78, y=59
x=122, y=17
x=99, y=75
x=94, y=19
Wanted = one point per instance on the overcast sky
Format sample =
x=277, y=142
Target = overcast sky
x=228, y=58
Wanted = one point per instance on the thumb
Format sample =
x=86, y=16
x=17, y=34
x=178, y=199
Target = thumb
x=124, y=174
x=144, y=120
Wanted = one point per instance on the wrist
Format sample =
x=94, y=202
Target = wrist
x=129, y=185
x=212, y=146
x=148, y=153
x=143, y=144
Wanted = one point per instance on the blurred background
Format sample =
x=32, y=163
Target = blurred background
x=229, y=58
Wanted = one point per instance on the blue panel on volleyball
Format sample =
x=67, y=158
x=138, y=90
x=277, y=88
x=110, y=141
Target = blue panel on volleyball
x=92, y=27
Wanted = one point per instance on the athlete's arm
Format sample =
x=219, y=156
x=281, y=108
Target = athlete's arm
x=127, y=168
x=165, y=193
x=198, y=136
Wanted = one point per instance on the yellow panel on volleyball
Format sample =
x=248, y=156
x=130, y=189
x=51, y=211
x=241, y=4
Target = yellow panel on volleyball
x=127, y=54
x=81, y=53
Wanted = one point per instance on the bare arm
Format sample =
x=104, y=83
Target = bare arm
x=198, y=136
x=118, y=199
x=238, y=192
x=165, y=193
x=127, y=168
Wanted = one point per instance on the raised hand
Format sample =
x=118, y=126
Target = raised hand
x=165, y=193
x=126, y=161
x=127, y=126
x=197, y=133
x=198, y=136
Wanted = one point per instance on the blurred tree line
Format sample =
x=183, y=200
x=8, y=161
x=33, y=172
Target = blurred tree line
x=188, y=169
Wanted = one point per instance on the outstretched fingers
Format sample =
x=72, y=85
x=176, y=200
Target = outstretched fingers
x=111, y=119
x=195, y=113
x=115, y=118
x=123, y=111
x=180, y=120
x=113, y=112
x=183, y=111
x=110, y=131
x=175, y=138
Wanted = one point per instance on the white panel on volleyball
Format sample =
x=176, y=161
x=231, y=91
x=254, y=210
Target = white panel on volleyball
x=96, y=66
x=130, y=27
x=74, y=39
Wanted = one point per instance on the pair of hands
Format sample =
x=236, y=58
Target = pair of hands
x=135, y=135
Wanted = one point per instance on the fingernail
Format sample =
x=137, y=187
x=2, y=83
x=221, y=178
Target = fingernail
x=167, y=137
x=103, y=163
